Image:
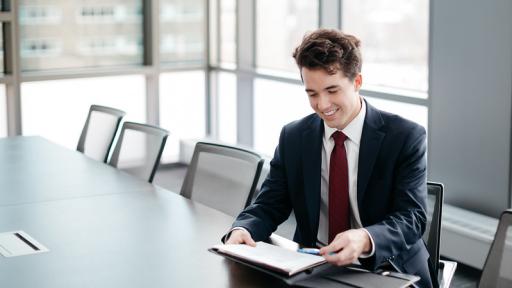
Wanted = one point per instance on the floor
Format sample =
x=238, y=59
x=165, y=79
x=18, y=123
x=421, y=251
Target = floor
x=171, y=177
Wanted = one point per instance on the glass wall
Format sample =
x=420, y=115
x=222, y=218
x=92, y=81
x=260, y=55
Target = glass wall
x=74, y=34
x=276, y=104
x=415, y=113
x=227, y=33
x=57, y=109
x=280, y=26
x=394, y=40
x=182, y=108
x=226, y=107
x=182, y=31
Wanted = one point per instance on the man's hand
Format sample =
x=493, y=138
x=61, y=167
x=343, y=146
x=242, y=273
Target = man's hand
x=240, y=236
x=346, y=247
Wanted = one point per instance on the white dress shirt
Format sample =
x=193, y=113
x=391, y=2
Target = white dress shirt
x=353, y=132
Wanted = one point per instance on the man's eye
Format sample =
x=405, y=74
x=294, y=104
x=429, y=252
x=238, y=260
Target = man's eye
x=332, y=91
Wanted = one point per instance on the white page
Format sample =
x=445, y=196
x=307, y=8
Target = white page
x=272, y=256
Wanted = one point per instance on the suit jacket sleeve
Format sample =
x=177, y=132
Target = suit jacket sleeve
x=272, y=206
x=404, y=225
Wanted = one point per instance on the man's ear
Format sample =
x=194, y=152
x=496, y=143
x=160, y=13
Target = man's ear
x=358, y=82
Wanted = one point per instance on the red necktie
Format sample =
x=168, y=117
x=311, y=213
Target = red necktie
x=339, y=207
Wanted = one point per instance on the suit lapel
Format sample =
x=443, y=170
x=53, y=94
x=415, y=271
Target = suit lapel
x=312, y=160
x=371, y=140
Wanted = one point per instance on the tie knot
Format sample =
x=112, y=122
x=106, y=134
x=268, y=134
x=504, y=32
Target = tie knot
x=339, y=137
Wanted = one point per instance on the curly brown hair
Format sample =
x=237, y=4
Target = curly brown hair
x=331, y=50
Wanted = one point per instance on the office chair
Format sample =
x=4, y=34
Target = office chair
x=432, y=233
x=139, y=149
x=99, y=132
x=443, y=269
x=222, y=177
x=497, y=271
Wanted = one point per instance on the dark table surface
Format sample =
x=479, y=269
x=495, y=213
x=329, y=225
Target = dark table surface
x=105, y=228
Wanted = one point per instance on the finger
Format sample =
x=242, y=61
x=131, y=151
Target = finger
x=233, y=239
x=336, y=245
x=247, y=239
x=338, y=259
x=347, y=256
x=236, y=237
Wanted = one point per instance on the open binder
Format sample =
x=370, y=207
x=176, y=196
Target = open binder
x=309, y=270
x=290, y=274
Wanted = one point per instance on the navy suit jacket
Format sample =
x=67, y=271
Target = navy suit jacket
x=391, y=189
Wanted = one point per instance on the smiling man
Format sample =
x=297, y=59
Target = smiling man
x=354, y=176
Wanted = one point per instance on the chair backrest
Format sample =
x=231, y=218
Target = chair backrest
x=432, y=233
x=497, y=271
x=99, y=132
x=139, y=149
x=222, y=177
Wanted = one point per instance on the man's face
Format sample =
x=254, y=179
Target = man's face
x=333, y=97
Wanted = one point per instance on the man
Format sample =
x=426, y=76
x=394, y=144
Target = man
x=355, y=176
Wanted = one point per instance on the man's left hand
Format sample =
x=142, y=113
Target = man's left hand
x=347, y=247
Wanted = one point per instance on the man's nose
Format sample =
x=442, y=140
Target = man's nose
x=323, y=102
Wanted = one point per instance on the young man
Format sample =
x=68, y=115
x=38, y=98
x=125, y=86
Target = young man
x=355, y=176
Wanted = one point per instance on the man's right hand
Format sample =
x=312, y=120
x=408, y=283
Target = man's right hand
x=240, y=236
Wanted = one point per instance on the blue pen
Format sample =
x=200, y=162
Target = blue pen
x=312, y=251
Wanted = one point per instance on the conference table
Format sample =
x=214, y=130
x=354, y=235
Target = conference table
x=105, y=228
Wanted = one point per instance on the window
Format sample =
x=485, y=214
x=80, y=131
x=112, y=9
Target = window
x=284, y=102
x=72, y=34
x=182, y=31
x=226, y=107
x=415, y=113
x=182, y=109
x=228, y=32
x=280, y=28
x=40, y=14
x=394, y=41
x=57, y=109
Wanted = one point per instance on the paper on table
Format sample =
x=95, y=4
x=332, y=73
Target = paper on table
x=272, y=257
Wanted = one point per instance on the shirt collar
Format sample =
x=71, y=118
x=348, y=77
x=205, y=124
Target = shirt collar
x=353, y=130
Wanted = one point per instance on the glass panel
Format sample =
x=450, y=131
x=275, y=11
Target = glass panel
x=182, y=31
x=182, y=109
x=394, y=39
x=57, y=109
x=72, y=34
x=228, y=32
x=3, y=112
x=226, y=96
x=284, y=102
x=280, y=28
x=213, y=32
x=416, y=113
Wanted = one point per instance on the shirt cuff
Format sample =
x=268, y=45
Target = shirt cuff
x=226, y=237
x=364, y=255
